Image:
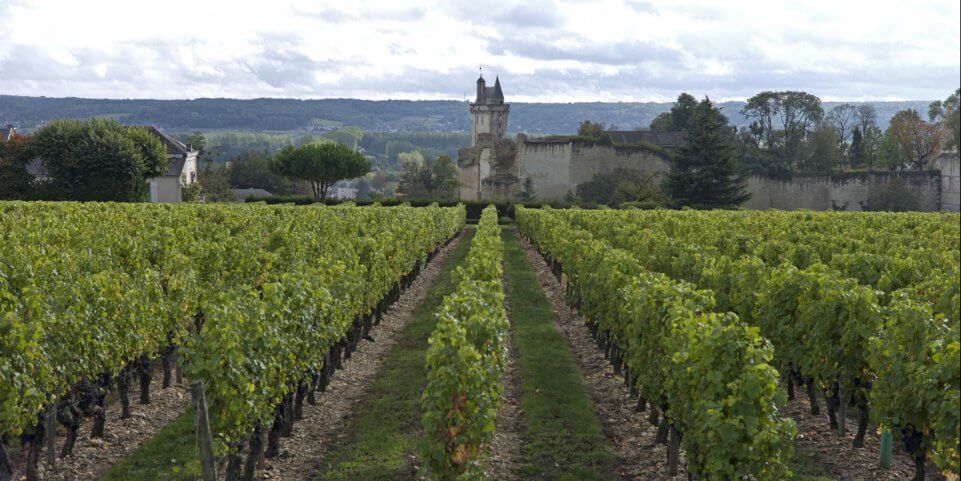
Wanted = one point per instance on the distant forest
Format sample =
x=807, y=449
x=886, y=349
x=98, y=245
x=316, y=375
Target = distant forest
x=224, y=145
x=368, y=115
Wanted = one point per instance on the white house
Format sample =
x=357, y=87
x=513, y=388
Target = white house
x=342, y=190
x=181, y=173
x=7, y=133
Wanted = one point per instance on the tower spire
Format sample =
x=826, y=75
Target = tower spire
x=481, y=86
x=498, y=93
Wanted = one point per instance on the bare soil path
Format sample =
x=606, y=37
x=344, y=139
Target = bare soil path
x=92, y=457
x=818, y=444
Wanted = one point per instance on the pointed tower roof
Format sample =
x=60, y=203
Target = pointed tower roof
x=498, y=93
x=489, y=95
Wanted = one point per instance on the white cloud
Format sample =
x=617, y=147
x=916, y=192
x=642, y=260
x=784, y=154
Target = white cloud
x=544, y=50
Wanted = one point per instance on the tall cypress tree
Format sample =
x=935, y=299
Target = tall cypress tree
x=856, y=152
x=705, y=173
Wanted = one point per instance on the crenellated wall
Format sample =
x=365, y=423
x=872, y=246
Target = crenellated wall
x=950, y=168
x=558, y=166
x=588, y=160
x=848, y=192
x=548, y=164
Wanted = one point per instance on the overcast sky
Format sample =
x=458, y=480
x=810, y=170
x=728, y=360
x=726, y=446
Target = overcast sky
x=557, y=51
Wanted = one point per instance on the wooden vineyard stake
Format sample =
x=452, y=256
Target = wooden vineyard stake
x=51, y=433
x=204, y=438
x=842, y=411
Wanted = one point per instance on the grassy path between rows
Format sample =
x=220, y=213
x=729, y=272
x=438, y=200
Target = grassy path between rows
x=385, y=434
x=528, y=302
x=563, y=438
x=164, y=457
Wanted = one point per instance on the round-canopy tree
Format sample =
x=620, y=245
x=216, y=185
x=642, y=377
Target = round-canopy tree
x=15, y=180
x=320, y=164
x=99, y=159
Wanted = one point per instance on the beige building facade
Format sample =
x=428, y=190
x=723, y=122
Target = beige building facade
x=182, y=170
x=950, y=167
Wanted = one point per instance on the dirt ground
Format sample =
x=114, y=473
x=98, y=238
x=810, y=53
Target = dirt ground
x=92, y=457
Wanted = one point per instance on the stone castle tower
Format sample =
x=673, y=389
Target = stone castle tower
x=489, y=112
x=487, y=167
x=495, y=167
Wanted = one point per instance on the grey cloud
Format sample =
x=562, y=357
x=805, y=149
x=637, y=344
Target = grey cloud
x=529, y=31
x=280, y=69
x=526, y=14
x=542, y=14
x=632, y=81
x=416, y=81
x=415, y=13
x=332, y=15
x=328, y=15
x=283, y=71
x=281, y=64
x=622, y=53
x=27, y=63
x=643, y=6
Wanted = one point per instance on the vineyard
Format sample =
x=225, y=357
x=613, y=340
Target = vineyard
x=706, y=311
x=706, y=326
x=258, y=304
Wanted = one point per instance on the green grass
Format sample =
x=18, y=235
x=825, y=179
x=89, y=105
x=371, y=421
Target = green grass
x=165, y=457
x=563, y=438
x=385, y=434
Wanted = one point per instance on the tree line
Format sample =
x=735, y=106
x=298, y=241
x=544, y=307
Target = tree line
x=94, y=159
x=382, y=116
x=414, y=170
x=101, y=159
x=791, y=132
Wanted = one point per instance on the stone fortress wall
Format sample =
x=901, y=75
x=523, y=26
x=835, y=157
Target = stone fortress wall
x=558, y=166
x=495, y=167
x=833, y=192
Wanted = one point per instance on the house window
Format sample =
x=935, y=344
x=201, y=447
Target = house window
x=193, y=177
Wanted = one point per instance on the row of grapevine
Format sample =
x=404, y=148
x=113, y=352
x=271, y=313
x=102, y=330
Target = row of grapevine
x=873, y=330
x=707, y=372
x=884, y=251
x=260, y=303
x=466, y=361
